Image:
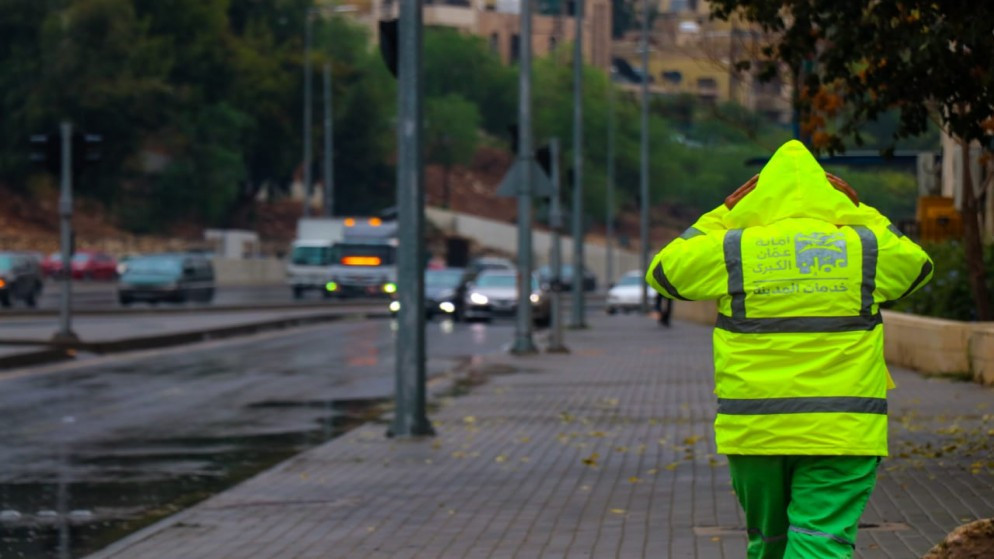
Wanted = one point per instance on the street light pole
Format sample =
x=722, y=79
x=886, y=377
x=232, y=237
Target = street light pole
x=577, y=315
x=555, y=253
x=644, y=184
x=410, y=418
x=329, y=139
x=308, y=25
x=65, y=333
x=609, y=221
x=523, y=342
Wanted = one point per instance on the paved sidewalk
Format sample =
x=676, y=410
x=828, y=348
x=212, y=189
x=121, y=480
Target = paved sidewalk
x=605, y=452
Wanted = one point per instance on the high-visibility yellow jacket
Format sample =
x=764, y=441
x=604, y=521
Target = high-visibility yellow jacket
x=799, y=272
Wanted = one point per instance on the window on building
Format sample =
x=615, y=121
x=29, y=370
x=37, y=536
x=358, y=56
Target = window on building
x=552, y=43
x=672, y=77
x=494, y=42
x=515, y=47
x=707, y=83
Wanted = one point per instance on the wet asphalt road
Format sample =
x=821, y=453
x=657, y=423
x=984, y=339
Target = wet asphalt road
x=96, y=449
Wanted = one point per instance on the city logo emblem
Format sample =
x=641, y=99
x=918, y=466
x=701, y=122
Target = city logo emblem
x=820, y=252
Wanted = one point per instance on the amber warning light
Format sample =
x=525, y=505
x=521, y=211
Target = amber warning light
x=361, y=260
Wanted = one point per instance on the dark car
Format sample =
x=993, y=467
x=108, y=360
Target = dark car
x=174, y=278
x=20, y=278
x=444, y=288
x=566, y=278
x=444, y=292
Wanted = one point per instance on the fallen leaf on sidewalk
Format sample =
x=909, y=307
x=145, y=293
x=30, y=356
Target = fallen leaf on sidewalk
x=469, y=419
x=634, y=479
x=618, y=511
x=692, y=440
x=500, y=459
x=591, y=460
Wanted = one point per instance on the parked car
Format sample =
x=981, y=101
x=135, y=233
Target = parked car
x=626, y=295
x=566, y=278
x=167, y=277
x=51, y=265
x=495, y=293
x=93, y=265
x=20, y=278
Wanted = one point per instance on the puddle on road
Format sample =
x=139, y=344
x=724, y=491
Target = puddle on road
x=126, y=487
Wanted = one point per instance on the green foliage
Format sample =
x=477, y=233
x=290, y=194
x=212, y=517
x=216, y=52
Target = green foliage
x=920, y=58
x=451, y=124
x=948, y=295
x=460, y=64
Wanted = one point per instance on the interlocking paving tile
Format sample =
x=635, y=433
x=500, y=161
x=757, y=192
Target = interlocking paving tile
x=604, y=452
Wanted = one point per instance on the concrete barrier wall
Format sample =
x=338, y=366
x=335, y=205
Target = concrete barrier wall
x=252, y=271
x=503, y=237
x=931, y=346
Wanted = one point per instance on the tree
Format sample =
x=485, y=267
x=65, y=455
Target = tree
x=451, y=124
x=854, y=61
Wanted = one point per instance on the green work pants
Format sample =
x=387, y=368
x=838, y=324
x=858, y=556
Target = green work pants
x=802, y=507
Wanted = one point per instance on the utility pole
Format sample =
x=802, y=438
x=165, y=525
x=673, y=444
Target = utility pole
x=555, y=254
x=644, y=184
x=308, y=25
x=577, y=314
x=329, y=139
x=65, y=335
x=609, y=221
x=523, y=343
x=410, y=418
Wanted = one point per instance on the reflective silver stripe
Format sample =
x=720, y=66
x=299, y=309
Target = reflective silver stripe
x=660, y=277
x=804, y=324
x=691, y=232
x=764, y=537
x=869, y=283
x=895, y=231
x=926, y=270
x=818, y=404
x=733, y=264
x=818, y=534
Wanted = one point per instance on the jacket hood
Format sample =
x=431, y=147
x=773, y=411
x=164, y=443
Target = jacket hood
x=793, y=185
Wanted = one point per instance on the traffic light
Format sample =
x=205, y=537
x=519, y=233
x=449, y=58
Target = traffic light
x=388, y=44
x=46, y=151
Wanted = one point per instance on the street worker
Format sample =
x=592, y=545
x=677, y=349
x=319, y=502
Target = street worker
x=799, y=268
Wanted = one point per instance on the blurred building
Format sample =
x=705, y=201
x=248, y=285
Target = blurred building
x=498, y=22
x=691, y=54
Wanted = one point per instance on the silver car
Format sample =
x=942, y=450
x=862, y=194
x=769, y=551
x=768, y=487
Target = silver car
x=626, y=295
x=495, y=293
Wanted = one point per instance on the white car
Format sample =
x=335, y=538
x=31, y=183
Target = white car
x=626, y=295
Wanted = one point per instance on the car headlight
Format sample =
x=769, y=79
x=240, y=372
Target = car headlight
x=478, y=298
x=535, y=298
x=394, y=306
x=390, y=288
x=447, y=307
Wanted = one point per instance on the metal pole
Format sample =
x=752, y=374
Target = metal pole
x=307, y=113
x=329, y=139
x=410, y=418
x=523, y=343
x=609, y=218
x=65, y=333
x=644, y=185
x=577, y=317
x=555, y=254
